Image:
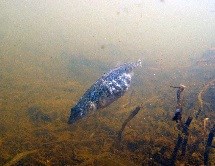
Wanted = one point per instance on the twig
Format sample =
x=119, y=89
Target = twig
x=200, y=96
x=208, y=145
x=130, y=99
x=181, y=141
x=131, y=116
x=19, y=157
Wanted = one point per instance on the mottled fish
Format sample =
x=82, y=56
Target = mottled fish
x=106, y=90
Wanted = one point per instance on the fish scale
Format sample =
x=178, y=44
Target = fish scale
x=104, y=91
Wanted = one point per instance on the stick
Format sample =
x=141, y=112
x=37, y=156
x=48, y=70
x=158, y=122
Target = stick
x=181, y=140
x=208, y=145
x=19, y=157
x=130, y=99
x=200, y=96
x=175, y=151
x=131, y=116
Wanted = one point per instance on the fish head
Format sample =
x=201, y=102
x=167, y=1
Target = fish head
x=128, y=68
x=76, y=114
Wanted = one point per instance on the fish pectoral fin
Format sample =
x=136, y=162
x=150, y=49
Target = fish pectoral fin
x=102, y=102
x=92, y=106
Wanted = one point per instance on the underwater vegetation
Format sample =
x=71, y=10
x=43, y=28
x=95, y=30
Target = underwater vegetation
x=34, y=112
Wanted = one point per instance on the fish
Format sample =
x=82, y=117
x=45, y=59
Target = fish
x=107, y=89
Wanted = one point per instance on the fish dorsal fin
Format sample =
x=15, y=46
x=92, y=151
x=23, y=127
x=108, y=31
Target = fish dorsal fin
x=118, y=63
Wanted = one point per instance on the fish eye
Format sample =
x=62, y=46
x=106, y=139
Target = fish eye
x=127, y=70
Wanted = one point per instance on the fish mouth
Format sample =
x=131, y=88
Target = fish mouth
x=71, y=120
x=133, y=65
x=137, y=64
x=75, y=115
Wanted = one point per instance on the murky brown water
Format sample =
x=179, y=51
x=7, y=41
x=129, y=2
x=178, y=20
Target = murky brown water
x=51, y=52
x=36, y=100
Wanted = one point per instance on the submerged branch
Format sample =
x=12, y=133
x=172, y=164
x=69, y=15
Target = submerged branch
x=131, y=116
x=209, y=145
x=200, y=97
x=130, y=99
x=19, y=157
x=181, y=141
